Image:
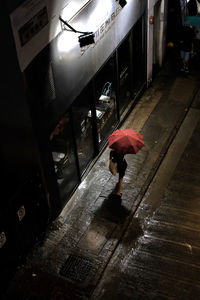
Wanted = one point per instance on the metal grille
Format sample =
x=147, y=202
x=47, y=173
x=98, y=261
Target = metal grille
x=49, y=87
x=51, y=82
x=76, y=268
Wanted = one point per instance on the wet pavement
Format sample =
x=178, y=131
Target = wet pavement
x=147, y=246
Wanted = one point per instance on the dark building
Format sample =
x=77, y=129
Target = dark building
x=62, y=100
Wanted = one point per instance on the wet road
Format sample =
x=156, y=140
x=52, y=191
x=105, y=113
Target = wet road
x=159, y=256
x=148, y=247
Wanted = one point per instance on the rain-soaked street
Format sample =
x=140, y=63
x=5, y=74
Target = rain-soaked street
x=147, y=247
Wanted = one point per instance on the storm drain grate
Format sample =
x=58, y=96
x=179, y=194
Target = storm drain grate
x=76, y=268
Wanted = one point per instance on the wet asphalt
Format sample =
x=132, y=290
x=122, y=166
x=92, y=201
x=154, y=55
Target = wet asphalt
x=147, y=246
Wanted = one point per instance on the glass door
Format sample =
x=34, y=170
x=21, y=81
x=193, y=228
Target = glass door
x=139, y=61
x=105, y=93
x=82, y=122
x=124, y=59
x=63, y=153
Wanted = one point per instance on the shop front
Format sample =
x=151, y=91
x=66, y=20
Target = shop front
x=88, y=91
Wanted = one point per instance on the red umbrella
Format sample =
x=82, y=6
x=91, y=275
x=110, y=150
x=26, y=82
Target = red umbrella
x=126, y=141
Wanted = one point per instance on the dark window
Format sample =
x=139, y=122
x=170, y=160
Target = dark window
x=81, y=111
x=63, y=153
x=105, y=92
x=124, y=75
x=138, y=54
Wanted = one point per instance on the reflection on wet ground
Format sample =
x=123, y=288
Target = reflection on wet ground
x=137, y=259
x=112, y=210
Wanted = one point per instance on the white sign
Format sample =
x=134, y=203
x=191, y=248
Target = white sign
x=36, y=22
x=30, y=24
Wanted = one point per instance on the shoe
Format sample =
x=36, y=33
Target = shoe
x=117, y=199
x=118, y=196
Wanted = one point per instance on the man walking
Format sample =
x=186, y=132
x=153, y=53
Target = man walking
x=187, y=36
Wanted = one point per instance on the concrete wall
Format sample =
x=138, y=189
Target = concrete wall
x=19, y=153
x=160, y=32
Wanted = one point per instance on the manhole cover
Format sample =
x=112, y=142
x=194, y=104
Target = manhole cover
x=76, y=268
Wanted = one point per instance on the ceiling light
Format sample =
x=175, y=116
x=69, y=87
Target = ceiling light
x=86, y=38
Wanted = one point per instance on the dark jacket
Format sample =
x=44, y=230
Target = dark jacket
x=121, y=162
x=187, y=36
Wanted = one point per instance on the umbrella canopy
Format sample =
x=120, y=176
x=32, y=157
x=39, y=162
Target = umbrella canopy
x=126, y=141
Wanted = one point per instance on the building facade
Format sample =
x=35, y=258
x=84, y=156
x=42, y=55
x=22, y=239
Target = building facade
x=64, y=99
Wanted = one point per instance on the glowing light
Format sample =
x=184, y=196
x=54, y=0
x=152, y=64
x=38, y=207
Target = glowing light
x=67, y=41
x=100, y=14
x=69, y=10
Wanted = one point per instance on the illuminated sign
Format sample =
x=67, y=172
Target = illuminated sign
x=103, y=29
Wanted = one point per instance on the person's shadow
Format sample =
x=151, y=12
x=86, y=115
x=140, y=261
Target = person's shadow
x=112, y=209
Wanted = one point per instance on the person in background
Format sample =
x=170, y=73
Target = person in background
x=187, y=36
x=192, y=7
x=121, y=168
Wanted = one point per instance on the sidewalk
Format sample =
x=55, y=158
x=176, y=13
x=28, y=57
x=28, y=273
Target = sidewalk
x=158, y=257
x=70, y=262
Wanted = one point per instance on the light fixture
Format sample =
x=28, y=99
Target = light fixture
x=86, y=38
x=122, y=3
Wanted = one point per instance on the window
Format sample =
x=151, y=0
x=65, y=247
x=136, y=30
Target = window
x=105, y=92
x=81, y=111
x=138, y=54
x=124, y=75
x=62, y=147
